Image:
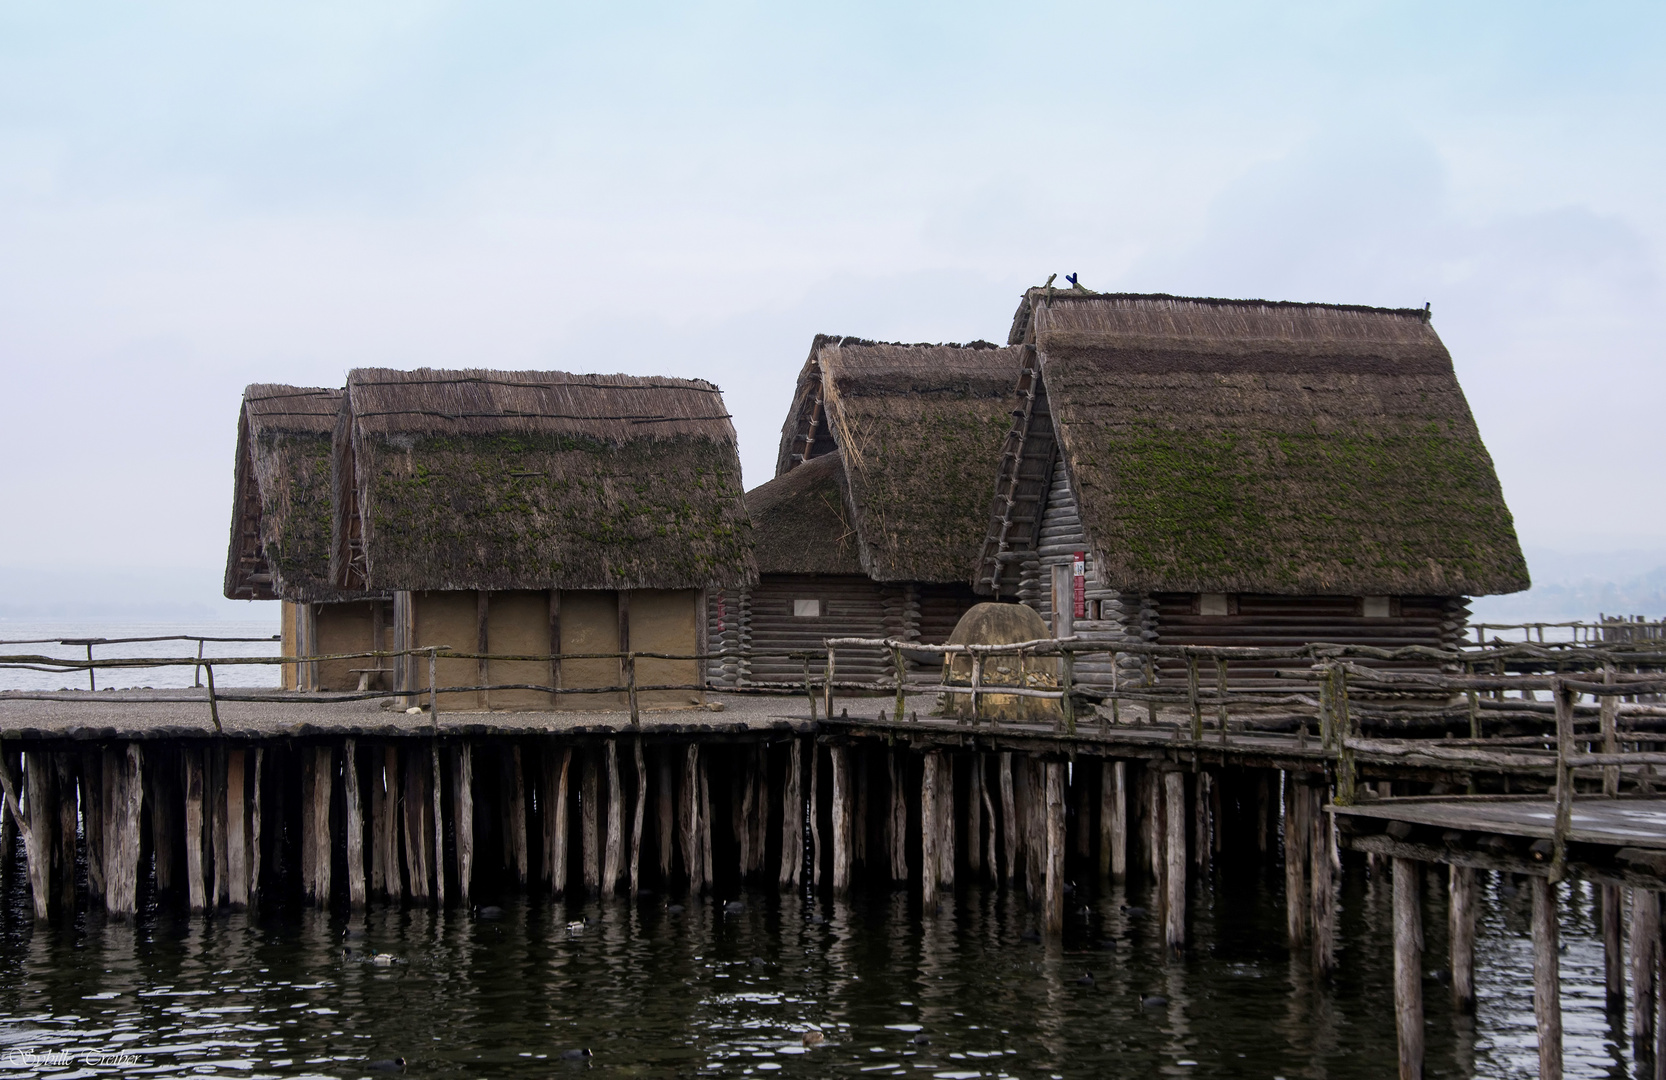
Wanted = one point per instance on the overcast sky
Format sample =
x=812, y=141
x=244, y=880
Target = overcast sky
x=195, y=196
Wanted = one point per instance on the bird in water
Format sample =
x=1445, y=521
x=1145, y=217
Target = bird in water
x=576, y=1055
x=734, y=907
x=490, y=911
x=922, y=1039
x=394, y=1064
x=384, y=959
x=814, y=1038
x=1154, y=1001
x=1086, y=979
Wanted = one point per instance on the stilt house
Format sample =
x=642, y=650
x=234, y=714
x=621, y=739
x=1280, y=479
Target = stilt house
x=1192, y=471
x=873, y=523
x=280, y=536
x=537, y=513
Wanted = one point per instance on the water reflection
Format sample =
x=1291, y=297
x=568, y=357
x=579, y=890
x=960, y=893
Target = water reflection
x=672, y=987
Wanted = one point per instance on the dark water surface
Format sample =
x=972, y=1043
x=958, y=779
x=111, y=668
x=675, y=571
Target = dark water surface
x=708, y=993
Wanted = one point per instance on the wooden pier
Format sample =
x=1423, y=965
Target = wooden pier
x=214, y=798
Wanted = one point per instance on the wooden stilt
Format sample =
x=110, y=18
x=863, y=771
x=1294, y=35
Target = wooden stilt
x=636, y=819
x=842, y=814
x=929, y=832
x=743, y=787
x=1053, y=904
x=1613, y=948
x=945, y=821
x=1174, y=862
x=38, y=778
x=65, y=766
x=1295, y=860
x=1321, y=844
x=815, y=815
x=1263, y=809
x=415, y=831
x=90, y=774
x=990, y=856
x=1547, y=978
x=237, y=837
x=1033, y=800
x=613, y=855
x=195, y=886
x=1081, y=785
x=706, y=822
x=557, y=766
x=761, y=809
x=514, y=792
x=220, y=895
x=462, y=810
x=666, y=799
x=1156, y=831
x=316, y=825
x=974, y=817
x=161, y=806
x=121, y=871
x=1113, y=820
x=391, y=828
x=693, y=864
x=256, y=851
x=1009, y=817
x=792, y=818
x=1461, y=903
x=435, y=823
x=590, y=824
x=1408, y=965
x=896, y=824
x=1645, y=944
x=1200, y=820
x=859, y=815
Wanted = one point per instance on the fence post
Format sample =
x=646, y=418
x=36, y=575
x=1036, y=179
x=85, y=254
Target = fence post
x=1150, y=688
x=1220, y=687
x=213, y=705
x=1564, y=777
x=92, y=679
x=1474, y=705
x=977, y=680
x=1610, y=739
x=433, y=681
x=896, y=662
x=809, y=692
x=196, y=672
x=1067, y=684
x=827, y=687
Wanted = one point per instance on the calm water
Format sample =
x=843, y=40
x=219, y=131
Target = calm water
x=707, y=993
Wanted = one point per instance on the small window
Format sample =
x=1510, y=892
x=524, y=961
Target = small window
x=1376, y=607
x=1212, y=603
x=807, y=609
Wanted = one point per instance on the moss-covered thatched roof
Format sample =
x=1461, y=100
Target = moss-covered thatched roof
x=530, y=480
x=1245, y=446
x=919, y=429
x=801, y=520
x=280, y=522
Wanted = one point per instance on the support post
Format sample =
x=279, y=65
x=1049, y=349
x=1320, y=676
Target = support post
x=1295, y=860
x=1462, y=898
x=315, y=828
x=196, y=893
x=1408, y=967
x=974, y=817
x=928, y=832
x=792, y=818
x=1613, y=950
x=416, y=836
x=989, y=812
x=1322, y=878
x=1053, y=874
x=589, y=823
x=514, y=794
x=65, y=767
x=815, y=814
x=37, y=838
x=557, y=767
x=462, y=809
x=840, y=757
x=692, y=860
x=1009, y=817
x=1174, y=868
x=666, y=801
x=237, y=837
x=613, y=855
x=390, y=833
x=896, y=825
x=1645, y=946
x=1547, y=978
x=437, y=821
x=636, y=819
x=355, y=826
x=1113, y=820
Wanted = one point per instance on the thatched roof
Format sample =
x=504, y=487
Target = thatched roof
x=801, y=521
x=530, y=480
x=919, y=429
x=1246, y=446
x=280, y=523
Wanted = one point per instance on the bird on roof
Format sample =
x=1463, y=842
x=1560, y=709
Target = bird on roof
x=1074, y=284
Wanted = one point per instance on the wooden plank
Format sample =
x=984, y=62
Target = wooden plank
x=1408, y=967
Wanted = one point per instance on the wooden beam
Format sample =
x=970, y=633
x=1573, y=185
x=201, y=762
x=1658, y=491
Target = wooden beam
x=1174, y=862
x=462, y=810
x=1009, y=817
x=514, y=813
x=557, y=766
x=1463, y=897
x=589, y=823
x=237, y=837
x=613, y=856
x=692, y=862
x=929, y=810
x=1113, y=820
x=840, y=758
x=1296, y=833
x=897, y=824
x=1054, y=873
x=665, y=799
x=1613, y=948
x=195, y=885
x=636, y=818
x=415, y=835
x=792, y=818
x=121, y=870
x=436, y=821
x=65, y=765
x=1645, y=945
x=41, y=821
